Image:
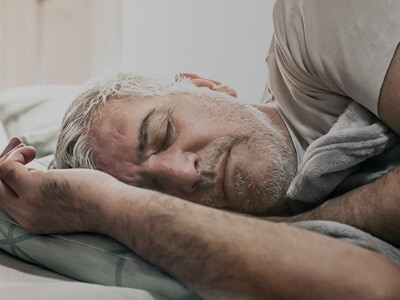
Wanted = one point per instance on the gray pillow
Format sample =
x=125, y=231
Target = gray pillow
x=90, y=258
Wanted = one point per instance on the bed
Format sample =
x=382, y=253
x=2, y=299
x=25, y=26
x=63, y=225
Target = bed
x=71, y=266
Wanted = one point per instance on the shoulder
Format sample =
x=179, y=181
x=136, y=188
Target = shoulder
x=389, y=99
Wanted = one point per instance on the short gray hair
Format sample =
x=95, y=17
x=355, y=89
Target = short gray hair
x=74, y=146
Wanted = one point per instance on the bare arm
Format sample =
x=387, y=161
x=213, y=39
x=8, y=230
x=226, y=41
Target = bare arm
x=389, y=100
x=215, y=253
x=374, y=208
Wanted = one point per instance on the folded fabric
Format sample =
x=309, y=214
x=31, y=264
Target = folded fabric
x=358, y=149
x=345, y=150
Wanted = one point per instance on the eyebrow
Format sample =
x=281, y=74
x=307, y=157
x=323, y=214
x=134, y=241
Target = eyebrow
x=143, y=140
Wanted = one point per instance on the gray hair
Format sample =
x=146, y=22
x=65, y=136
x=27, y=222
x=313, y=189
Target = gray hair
x=74, y=147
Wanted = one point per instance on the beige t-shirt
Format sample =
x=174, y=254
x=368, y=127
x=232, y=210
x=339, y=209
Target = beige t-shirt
x=326, y=53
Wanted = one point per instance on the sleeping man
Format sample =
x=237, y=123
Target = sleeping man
x=187, y=178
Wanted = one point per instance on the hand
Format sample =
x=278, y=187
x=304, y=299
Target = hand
x=14, y=142
x=51, y=201
x=211, y=84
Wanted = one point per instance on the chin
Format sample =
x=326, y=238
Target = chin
x=262, y=196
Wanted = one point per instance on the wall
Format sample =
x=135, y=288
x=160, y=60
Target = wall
x=226, y=40
x=57, y=41
x=18, y=42
x=68, y=41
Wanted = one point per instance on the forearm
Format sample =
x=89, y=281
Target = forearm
x=374, y=208
x=215, y=253
x=223, y=255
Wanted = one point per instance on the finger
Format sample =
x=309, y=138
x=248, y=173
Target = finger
x=225, y=89
x=13, y=168
x=23, y=154
x=14, y=142
x=195, y=76
x=203, y=83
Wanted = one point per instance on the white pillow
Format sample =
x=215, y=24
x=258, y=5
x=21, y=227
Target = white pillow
x=34, y=113
x=90, y=258
x=3, y=137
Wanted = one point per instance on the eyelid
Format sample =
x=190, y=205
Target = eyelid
x=165, y=136
x=169, y=136
x=162, y=133
x=143, y=136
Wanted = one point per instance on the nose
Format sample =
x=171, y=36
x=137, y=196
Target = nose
x=175, y=170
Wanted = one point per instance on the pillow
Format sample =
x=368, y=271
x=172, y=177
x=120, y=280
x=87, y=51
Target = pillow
x=3, y=137
x=34, y=113
x=88, y=257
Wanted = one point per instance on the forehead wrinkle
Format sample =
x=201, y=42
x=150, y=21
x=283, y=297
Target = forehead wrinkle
x=113, y=158
x=113, y=147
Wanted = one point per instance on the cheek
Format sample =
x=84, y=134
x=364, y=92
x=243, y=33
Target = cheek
x=196, y=128
x=212, y=119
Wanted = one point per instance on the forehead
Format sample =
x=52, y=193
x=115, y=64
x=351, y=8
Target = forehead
x=114, y=132
x=115, y=129
x=117, y=124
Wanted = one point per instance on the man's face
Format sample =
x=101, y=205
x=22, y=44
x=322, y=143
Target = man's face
x=213, y=152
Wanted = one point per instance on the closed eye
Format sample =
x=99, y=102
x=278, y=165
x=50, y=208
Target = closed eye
x=157, y=133
x=143, y=137
x=169, y=136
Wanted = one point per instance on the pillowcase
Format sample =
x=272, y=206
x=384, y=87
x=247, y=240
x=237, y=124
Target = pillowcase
x=35, y=112
x=90, y=258
x=3, y=137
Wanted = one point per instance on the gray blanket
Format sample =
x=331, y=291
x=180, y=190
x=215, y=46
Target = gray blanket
x=357, y=150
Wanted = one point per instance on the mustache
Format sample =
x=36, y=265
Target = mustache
x=208, y=170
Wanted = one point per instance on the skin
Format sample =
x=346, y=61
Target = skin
x=190, y=153
x=213, y=252
x=389, y=100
